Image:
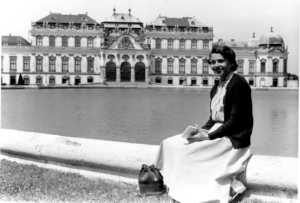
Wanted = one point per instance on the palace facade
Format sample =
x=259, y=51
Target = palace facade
x=75, y=49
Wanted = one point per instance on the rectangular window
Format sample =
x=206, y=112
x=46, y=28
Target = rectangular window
x=65, y=64
x=194, y=44
x=194, y=67
x=52, y=80
x=39, y=81
x=90, y=65
x=65, y=41
x=251, y=67
x=170, y=66
x=170, y=44
x=13, y=63
x=205, y=67
x=52, y=64
x=205, y=44
x=77, y=65
x=182, y=66
x=26, y=63
x=26, y=81
x=263, y=67
x=240, y=69
x=77, y=41
x=90, y=42
x=157, y=66
x=39, y=41
x=158, y=44
x=52, y=41
x=90, y=79
x=182, y=44
x=39, y=64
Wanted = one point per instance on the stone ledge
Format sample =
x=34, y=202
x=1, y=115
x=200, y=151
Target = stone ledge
x=265, y=176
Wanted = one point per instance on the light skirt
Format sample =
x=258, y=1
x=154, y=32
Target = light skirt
x=201, y=171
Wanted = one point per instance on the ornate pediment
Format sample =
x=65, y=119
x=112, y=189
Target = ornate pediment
x=126, y=42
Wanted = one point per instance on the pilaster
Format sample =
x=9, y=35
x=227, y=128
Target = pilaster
x=132, y=73
x=118, y=74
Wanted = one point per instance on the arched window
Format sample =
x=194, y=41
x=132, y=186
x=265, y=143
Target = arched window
x=65, y=64
x=170, y=65
x=90, y=64
x=205, y=66
x=181, y=44
x=205, y=44
x=52, y=60
x=251, y=67
x=52, y=80
x=240, y=69
x=39, y=80
x=181, y=80
x=263, y=66
x=26, y=80
x=39, y=64
x=157, y=80
x=193, y=81
x=158, y=65
x=77, y=41
x=182, y=66
x=251, y=81
x=194, y=66
x=90, y=42
x=275, y=65
x=77, y=64
x=194, y=44
x=205, y=81
x=77, y=80
x=170, y=43
x=90, y=79
x=170, y=80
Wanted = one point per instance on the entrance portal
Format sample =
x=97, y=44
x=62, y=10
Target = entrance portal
x=125, y=72
x=111, y=71
x=275, y=82
x=12, y=80
x=139, y=72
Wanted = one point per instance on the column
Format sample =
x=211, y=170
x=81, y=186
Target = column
x=84, y=64
x=118, y=74
x=164, y=65
x=188, y=65
x=147, y=68
x=199, y=65
x=132, y=79
x=176, y=65
x=280, y=65
x=71, y=63
x=32, y=63
x=46, y=63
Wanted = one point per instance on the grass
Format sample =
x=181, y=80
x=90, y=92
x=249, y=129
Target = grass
x=29, y=183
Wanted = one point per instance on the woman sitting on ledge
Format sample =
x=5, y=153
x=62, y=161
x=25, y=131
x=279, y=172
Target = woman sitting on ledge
x=203, y=167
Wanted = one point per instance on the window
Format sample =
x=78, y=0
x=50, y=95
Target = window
x=251, y=81
x=251, y=67
x=263, y=67
x=205, y=67
x=170, y=66
x=193, y=81
x=284, y=66
x=181, y=80
x=52, y=80
x=158, y=66
x=13, y=63
x=194, y=66
x=240, y=67
x=170, y=81
x=77, y=41
x=158, y=80
x=205, y=81
x=52, y=64
x=26, y=63
x=194, y=44
x=182, y=44
x=205, y=44
x=90, y=42
x=65, y=41
x=2, y=59
x=65, y=64
x=26, y=80
x=182, y=66
x=39, y=80
x=90, y=79
x=39, y=64
x=275, y=66
x=39, y=40
x=158, y=43
x=170, y=44
x=90, y=65
x=77, y=64
x=52, y=41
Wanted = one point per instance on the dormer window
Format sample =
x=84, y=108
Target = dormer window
x=122, y=18
x=163, y=21
x=193, y=23
x=83, y=19
x=53, y=18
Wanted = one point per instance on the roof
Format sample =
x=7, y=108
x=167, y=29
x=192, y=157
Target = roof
x=231, y=43
x=271, y=38
x=123, y=17
x=14, y=41
x=57, y=17
x=181, y=22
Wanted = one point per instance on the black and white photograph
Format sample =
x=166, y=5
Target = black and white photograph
x=149, y=101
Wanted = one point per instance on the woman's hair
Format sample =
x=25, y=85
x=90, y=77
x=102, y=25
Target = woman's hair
x=227, y=53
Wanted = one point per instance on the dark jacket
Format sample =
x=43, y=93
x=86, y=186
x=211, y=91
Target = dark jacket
x=238, y=119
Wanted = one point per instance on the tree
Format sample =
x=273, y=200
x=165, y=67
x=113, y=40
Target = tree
x=20, y=81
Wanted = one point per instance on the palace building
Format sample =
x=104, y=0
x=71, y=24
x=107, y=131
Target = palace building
x=75, y=49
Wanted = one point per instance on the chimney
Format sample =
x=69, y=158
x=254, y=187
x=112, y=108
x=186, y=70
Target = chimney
x=232, y=40
x=220, y=40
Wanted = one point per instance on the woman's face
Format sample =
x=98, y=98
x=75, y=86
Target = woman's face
x=220, y=65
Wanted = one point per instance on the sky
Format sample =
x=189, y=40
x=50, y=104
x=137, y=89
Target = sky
x=231, y=19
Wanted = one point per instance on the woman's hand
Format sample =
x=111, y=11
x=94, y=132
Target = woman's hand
x=200, y=136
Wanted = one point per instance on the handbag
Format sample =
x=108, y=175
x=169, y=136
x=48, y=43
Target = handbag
x=150, y=181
